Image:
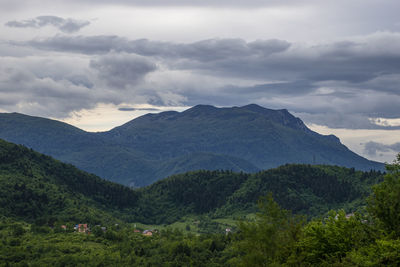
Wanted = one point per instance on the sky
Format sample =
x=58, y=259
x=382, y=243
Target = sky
x=98, y=64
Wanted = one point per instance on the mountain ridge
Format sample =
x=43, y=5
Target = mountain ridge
x=137, y=153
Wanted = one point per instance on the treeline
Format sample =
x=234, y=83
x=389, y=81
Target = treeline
x=276, y=237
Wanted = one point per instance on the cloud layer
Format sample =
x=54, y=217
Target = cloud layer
x=351, y=82
x=64, y=25
x=374, y=148
x=344, y=84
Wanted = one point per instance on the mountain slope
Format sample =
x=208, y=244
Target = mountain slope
x=36, y=187
x=155, y=146
x=266, y=138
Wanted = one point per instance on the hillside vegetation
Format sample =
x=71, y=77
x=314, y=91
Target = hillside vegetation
x=275, y=237
x=36, y=187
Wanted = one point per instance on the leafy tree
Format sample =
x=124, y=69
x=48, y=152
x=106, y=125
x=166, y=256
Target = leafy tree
x=329, y=240
x=269, y=240
x=384, y=203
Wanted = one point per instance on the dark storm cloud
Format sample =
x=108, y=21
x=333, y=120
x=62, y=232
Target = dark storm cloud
x=373, y=148
x=121, y=70
x=65, y=25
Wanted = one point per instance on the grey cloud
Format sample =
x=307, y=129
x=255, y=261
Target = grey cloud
x=372, y=148
x=126, y=109
x=219, y=49
x=367, y=4
x=202, y=51
x=55, y=91
x=65, y=25
x=121, y=70
x=25, y=91
x=340, y=119
x=351, y=61
x=80, y=80
x=164, y=3
x=140, y=109
x=89, y=45
x=274, y=89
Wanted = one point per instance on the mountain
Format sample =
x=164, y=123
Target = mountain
x=154, y=146
x=35, y=187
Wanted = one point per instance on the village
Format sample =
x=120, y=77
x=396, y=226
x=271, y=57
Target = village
x=85, y=229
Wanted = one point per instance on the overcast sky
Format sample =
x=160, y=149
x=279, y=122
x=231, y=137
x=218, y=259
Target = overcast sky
x=334, y=64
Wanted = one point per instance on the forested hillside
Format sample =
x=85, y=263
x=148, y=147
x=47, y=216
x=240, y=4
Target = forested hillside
x=36, y=187
x=306, y=189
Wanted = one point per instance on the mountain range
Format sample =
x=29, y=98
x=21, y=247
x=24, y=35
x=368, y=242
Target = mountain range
x=146, y=149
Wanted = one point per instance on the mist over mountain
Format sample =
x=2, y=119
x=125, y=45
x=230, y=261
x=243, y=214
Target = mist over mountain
x=154, y=146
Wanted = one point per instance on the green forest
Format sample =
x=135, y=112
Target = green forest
x=294, y=215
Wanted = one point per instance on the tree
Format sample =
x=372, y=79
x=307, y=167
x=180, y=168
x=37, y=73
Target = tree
x=329, y=240
x=384, y=203
x=268, y=240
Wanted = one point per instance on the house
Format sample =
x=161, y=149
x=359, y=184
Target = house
x=228, y=230
x=82, y=228
x=136, y=231
x=64, y=227
x=147, y=233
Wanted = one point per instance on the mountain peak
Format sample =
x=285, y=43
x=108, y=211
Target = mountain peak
x=253, y=107
x=260, y=109
x=203, y=107
x=200, y=109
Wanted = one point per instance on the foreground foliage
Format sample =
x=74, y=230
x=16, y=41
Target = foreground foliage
x=274, y=238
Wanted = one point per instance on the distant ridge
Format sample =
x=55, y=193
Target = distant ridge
x=154, y=146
